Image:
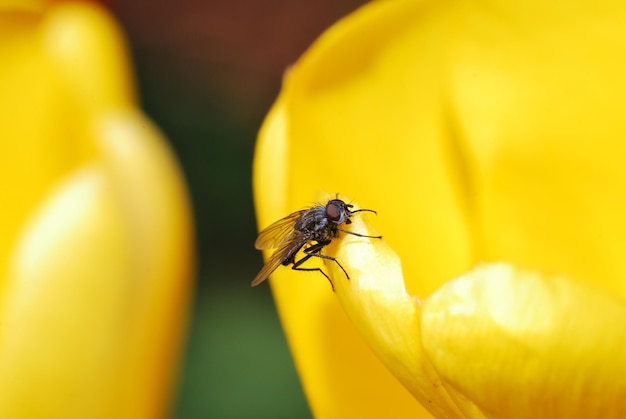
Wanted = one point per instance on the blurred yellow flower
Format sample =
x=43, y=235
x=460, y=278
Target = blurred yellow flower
x=96, y=243
x=490, y=138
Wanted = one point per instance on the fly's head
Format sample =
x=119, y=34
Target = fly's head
x=338, y=211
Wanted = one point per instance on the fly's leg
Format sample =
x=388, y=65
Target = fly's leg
x=315, y=251
x=310, y=252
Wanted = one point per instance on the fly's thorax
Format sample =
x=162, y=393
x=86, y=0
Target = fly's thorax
x=312, y=220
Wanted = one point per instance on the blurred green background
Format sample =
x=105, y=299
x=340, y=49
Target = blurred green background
x=207, y=72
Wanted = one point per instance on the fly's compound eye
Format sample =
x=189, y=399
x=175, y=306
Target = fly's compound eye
x=333, y=211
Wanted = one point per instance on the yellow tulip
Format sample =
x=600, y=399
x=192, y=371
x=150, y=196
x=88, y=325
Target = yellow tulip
x=490, y=139
x=96, y=243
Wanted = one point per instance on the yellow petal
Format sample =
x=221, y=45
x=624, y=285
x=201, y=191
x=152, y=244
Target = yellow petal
x=366, y=117
x=522, y=344
x=38, y=123
x=65, y=308
x=488, y=131
x=96, y=244
x=305, y=148
x=104, y=264
x=86, y=48
x=388, y=318
x=537, y=90
x=56, y=67
x=149, y=187
x=340, y=374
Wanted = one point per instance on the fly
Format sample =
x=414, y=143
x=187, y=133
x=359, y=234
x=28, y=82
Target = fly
x=314, y=228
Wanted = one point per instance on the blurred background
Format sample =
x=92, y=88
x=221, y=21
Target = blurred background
x=208, y=72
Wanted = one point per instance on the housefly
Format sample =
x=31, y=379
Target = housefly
x=311, y=229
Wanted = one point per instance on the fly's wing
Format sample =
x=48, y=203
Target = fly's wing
x=288, y=247
x=274, y=235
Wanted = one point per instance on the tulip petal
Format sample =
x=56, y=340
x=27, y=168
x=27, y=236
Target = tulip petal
x=367, y=118
x=389, y=319
x=96, y=238
x=57, y=69
x=316, y=139
x=112, y=248
x=339, y=373
x=480, y=131
x=150, y=188
x=86, y=47
x=537, y=90
x=34, y=115
x=67, y=290
x=521, y=344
